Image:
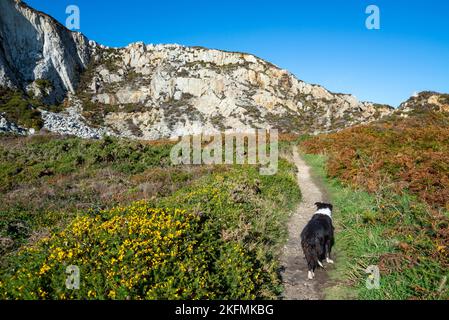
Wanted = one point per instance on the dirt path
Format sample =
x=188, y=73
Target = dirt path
x=294, y=267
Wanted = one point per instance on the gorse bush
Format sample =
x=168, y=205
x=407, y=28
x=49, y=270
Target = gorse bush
x=134, y=252
x=45, y=181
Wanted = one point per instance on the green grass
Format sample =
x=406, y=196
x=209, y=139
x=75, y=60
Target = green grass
x=387, y=230
x=31, y=159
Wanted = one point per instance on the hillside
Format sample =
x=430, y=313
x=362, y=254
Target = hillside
x=390, y=180
x=137, y=226
x=154, y=91
x=405, y=151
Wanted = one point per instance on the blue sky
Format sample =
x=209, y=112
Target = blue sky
x=323, y=42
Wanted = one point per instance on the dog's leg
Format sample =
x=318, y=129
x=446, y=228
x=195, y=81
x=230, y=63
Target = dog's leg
x=321, y=264
x=310, y=275
x=328, y=252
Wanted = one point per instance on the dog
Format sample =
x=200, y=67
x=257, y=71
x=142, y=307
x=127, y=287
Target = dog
x=317, y=238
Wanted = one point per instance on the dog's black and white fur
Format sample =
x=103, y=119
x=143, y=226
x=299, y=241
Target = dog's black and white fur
x=317, y=238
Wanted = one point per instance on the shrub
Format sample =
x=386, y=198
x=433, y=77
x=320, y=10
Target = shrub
x=44, y=84
x=134, y=252
x=20, y=109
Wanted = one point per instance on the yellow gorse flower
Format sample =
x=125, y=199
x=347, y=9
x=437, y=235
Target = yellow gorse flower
x=126, y=244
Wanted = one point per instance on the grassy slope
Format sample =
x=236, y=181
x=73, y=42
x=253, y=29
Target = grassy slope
x=402, y=230
x=45, y=180
x=214, y=232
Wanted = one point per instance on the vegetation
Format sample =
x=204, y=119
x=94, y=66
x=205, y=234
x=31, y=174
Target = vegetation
x=94, y=111
x=23, y=109
x=402, y=153
x=20, y=109
x=444, y=99
x=196, y=232
x=45, y=180
x=44, y=84
x=388, y=182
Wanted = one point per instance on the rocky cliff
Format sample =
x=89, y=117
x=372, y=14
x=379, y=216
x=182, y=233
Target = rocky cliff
x=35, y=49
x=160, y=91
x=153, y=91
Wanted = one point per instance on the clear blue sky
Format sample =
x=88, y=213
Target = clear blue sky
x=323, y=42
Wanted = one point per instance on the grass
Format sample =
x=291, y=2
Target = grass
x=397, y=233
x=138, y=227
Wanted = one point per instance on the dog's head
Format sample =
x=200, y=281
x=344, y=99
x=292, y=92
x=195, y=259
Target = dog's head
x=322, y=205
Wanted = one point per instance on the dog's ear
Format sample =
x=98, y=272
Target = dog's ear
x=322, y=205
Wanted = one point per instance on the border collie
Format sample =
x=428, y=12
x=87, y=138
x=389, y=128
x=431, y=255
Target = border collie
x=317, y=238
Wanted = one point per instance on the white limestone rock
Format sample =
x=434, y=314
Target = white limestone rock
x=12, y=128
x=35, y=46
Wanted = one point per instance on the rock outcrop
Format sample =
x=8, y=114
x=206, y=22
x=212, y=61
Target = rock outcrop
x=10, y=127
x=71, y=122
x=425, y=101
